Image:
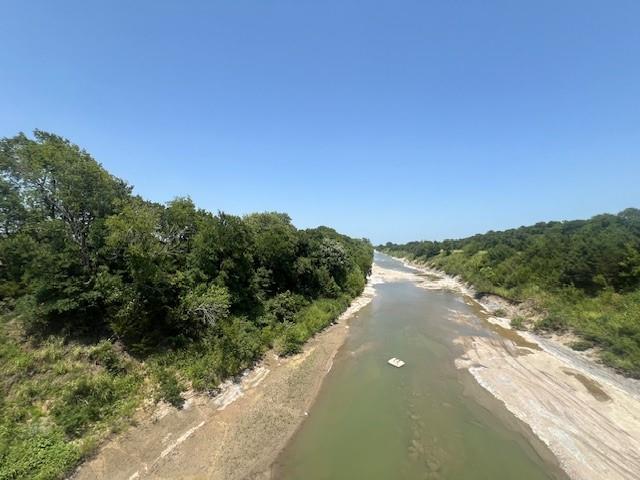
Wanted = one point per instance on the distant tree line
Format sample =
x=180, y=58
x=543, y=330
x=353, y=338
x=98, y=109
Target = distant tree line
x=591, y=255
x=584, y=273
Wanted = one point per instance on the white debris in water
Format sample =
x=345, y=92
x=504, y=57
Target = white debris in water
x=396, y=362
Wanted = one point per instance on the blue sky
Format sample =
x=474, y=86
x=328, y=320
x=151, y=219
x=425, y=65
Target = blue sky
x=394, y=120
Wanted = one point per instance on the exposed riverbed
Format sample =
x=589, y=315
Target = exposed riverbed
x=475, y=400
x=425, y=420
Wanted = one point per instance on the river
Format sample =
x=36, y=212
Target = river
x=426, y=420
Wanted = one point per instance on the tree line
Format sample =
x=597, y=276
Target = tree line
x=80, y=253
x=108, y=300
x=584, y=274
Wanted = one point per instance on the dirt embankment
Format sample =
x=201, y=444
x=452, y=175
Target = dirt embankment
x=235, y=435
x=587, y=414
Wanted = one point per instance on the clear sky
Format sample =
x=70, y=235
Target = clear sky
x=394, y=120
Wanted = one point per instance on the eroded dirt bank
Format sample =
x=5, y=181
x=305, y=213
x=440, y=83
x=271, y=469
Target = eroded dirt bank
x=588, y=415
x=235, y=435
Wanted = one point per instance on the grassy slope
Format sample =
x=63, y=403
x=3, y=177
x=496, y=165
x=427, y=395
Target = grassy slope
x=41, y=410
x=60, y=398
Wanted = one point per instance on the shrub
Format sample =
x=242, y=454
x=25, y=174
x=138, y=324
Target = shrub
x=204, y=307
x=203, y=368
x=241, y=345
x=581, y=345
x=517, y=323
x=87, y=401
x=355, y=281
x=290, y=342
x=284, y=306
x=169, y=387
x=552, y=322
x=104, y=354
x=39, y=454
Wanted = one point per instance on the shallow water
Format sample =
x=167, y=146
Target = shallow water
x=426, y=420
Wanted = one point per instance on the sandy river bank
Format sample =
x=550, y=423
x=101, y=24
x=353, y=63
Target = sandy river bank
x=586, y=414
x=237, y=434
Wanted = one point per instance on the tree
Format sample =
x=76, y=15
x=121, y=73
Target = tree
x=58, y=181
x=222, y=251
x=276, y=243
x=144, y=290
x=203, y=308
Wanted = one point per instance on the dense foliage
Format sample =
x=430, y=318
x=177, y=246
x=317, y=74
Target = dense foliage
x=94, y=279
x=584, y=274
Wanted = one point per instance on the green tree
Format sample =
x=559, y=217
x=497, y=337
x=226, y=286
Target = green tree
x=276, y=244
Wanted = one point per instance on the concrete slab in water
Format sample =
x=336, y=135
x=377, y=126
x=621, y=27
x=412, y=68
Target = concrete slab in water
x=396, y=362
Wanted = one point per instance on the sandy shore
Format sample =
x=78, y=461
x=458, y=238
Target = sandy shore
x=239, y=433
x=586, y=414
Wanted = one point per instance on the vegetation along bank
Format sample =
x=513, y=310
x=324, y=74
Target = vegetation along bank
x=110, y=301
x=580, y=276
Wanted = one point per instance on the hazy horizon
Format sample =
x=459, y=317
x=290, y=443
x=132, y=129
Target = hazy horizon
x=395, y=123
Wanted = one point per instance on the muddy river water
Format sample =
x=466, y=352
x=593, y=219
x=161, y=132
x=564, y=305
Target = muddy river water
x=426, y=420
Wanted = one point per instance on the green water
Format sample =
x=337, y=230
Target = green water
x=426, y=420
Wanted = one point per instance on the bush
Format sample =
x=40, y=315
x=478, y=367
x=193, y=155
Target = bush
x=552, y=323
x=169, y=388
x=104, y=354
x=204, y=367
x=241, y=345
x=283, y=307
x=581, y=345
x=355, y=282
x=290, y=342
x=39, y=454
x=203, y=307
x=88, y=401
x=518, y=323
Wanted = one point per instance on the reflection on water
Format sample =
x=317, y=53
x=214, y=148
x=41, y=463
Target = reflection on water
x=374, y=421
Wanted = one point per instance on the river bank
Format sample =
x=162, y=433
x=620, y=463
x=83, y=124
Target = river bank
x=586, y=414
x=426, y=420
x=236, y=434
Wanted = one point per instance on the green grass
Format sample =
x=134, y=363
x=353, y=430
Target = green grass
x=58, y=402
x=518, y=323
x=61, y=398
x=169, y=387
x=610, y=321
